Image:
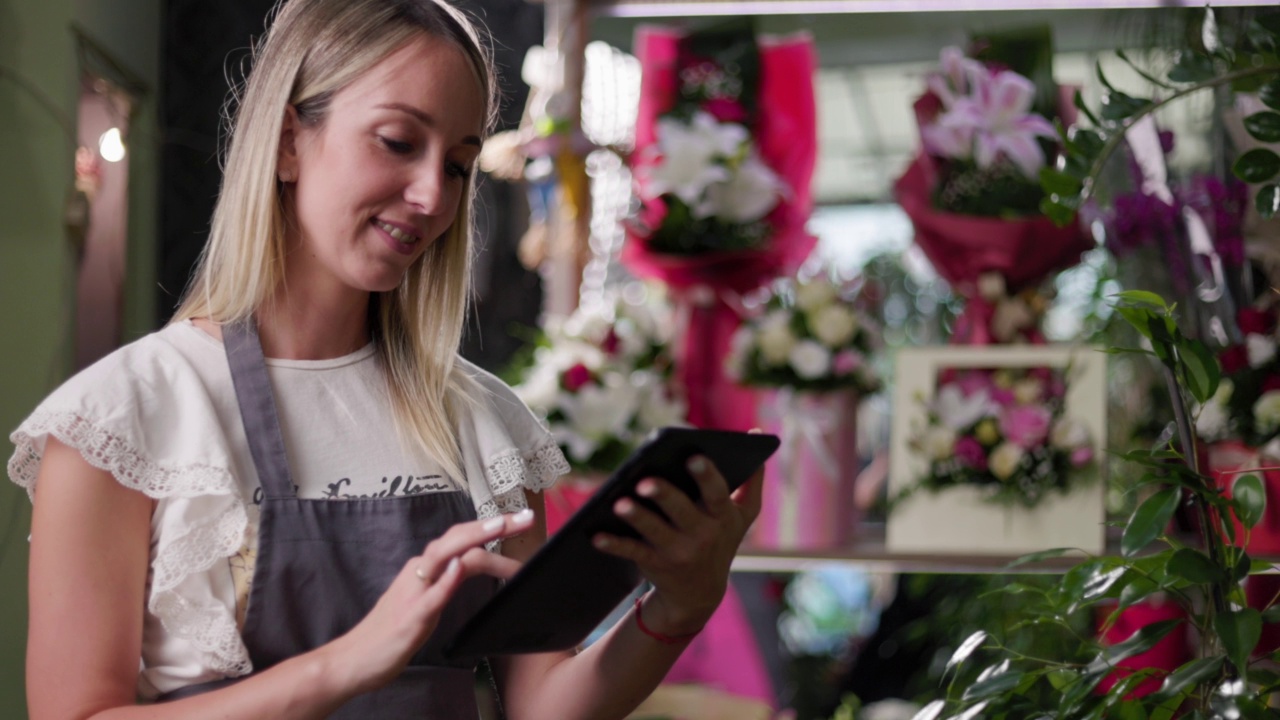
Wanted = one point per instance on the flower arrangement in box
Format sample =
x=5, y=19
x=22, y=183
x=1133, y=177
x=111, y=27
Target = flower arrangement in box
x=726, y=143
x=973, y=192
x=1005, y=430
x=810, y=336
x=601, y=377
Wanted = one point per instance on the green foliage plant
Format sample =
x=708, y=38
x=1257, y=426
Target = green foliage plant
x=989, y=679
x=1250, y=63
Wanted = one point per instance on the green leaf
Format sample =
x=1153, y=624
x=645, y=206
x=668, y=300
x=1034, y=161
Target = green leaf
x=1251, y=499
x=1036, y=557
x=1187, y=677
x=1138, y=318
x=1191, y=67
x=1202, y=368
x=1131, y=710
x=1052, y=208
x=1118, y=105
x=1268, y=201
x=1269, y=94
x=1137, y=591
x=1193, y=566
x=1257, y=165
x=1061, y=678
x=973, y=712
x=1141, y=641
x=1060, y=183
x=1239, y=632
x=1166, y=709
x=1149, y=520
x=1077, y=99
x=962, y=653
x=1264, y=126
x=1143, y=297
x=1100, y=582
x=1087, y=142
x=931, y=711
x=1242, y=567
x=995, y=685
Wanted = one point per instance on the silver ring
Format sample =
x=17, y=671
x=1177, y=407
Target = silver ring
x=422, y=574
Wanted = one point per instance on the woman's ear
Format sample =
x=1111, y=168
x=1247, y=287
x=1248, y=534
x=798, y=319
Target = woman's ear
x=287, y=154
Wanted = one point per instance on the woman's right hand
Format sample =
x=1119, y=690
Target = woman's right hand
x=377, y=649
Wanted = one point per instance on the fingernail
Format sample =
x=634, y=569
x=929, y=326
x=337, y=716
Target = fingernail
x=755, y=431
x=624, y=507
x=697, y=464
x=601, y=542
x=648, y=488
x=452, y=566
x=524, y=516
x=493, y=524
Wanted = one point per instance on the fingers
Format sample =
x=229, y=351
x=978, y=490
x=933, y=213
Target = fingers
x=626, y=548
x=467, y=536
x=750, y=496
x=649, y=524
x=478, y=561
x=711, y=484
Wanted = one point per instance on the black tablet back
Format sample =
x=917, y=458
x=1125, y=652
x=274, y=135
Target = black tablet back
x=568, y=587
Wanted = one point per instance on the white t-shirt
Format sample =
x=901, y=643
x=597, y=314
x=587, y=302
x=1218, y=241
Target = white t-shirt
x=161, y=415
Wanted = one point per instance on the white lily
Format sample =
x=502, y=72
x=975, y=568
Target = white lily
x=957, y=411
x=689, y=152
x=749, y=194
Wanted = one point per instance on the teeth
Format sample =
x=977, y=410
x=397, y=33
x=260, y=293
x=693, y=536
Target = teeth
x=397, y=233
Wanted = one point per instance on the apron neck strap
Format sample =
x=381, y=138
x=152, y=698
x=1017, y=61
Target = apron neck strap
x=258, y=407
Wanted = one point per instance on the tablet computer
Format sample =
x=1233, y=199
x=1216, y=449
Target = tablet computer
x=568, y=587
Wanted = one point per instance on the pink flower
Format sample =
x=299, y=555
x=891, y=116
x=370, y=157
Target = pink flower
x=1025, y=425
x=998, y=112
x=970, y=453
x=611, y=343
x=1081, y=456
x=846, y=361
x=725, y=110
x=575, y=377
x=974, y=381
x=1004, y=397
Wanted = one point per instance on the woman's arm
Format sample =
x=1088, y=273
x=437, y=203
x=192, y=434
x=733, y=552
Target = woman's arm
x=687, y=560
x=90, y=547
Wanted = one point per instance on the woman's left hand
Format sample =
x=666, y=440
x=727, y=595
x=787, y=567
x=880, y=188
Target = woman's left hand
x=687, y=554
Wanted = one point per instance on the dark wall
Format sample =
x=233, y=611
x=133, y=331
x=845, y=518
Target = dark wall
x=205, y=42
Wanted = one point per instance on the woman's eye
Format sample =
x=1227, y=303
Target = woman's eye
x=457, y=170
x=398, y=147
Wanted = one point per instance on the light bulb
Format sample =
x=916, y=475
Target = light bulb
x=111, y=145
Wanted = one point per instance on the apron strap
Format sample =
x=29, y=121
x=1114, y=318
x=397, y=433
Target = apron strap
x=257, y=407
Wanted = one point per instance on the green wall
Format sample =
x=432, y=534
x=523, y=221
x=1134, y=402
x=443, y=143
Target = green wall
x=36, y=263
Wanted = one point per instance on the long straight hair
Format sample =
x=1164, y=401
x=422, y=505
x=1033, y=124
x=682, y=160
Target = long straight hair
x=314, y=49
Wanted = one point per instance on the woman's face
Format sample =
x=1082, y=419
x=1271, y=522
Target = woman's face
x=382, y=176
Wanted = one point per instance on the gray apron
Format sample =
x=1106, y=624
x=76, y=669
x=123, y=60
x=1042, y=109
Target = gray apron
x=323, y=564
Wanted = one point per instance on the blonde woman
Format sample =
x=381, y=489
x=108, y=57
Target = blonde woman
x=274, y=507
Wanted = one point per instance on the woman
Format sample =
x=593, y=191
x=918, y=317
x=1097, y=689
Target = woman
x=229, y=523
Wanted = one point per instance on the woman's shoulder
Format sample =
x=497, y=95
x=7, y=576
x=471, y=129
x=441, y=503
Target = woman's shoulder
x=153, y=402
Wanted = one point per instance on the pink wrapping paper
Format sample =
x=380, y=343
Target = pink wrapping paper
x=809, y=485
x=726, y=656
x=705, y=287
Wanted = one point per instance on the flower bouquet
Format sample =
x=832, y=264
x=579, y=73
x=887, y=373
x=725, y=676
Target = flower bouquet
x=810, y=347
x=601, y=379
x=973, y=193
x=1004, y=430
x=725, y=149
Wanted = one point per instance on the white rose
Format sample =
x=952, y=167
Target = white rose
x=591, y=325
x=775, y=338
x=657, y=408
x=1211, y=421
x=834, y=325
x=1004, y=460
x=1261, y=349
x=814, y=294
x=939, y=442
x=810, y=359
x=1266, y=412
x=1069, y=434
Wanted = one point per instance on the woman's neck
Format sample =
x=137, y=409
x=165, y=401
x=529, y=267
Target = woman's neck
x=314, y=326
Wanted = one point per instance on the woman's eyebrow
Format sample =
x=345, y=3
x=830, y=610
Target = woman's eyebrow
x=426, y=119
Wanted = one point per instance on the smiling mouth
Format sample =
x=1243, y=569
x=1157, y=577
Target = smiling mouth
x=397, y=233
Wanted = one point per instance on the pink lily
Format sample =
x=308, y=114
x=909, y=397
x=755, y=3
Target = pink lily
x=999, y=111
x=958, y=74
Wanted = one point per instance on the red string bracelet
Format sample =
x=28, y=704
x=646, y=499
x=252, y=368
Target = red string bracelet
x=665, y=639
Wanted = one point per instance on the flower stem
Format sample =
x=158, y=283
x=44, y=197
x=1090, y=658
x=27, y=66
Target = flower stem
x=1117, y=134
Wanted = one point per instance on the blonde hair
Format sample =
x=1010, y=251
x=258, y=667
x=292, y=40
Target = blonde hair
x=313, y=50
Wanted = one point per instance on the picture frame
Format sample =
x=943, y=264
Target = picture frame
x=961, y=520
